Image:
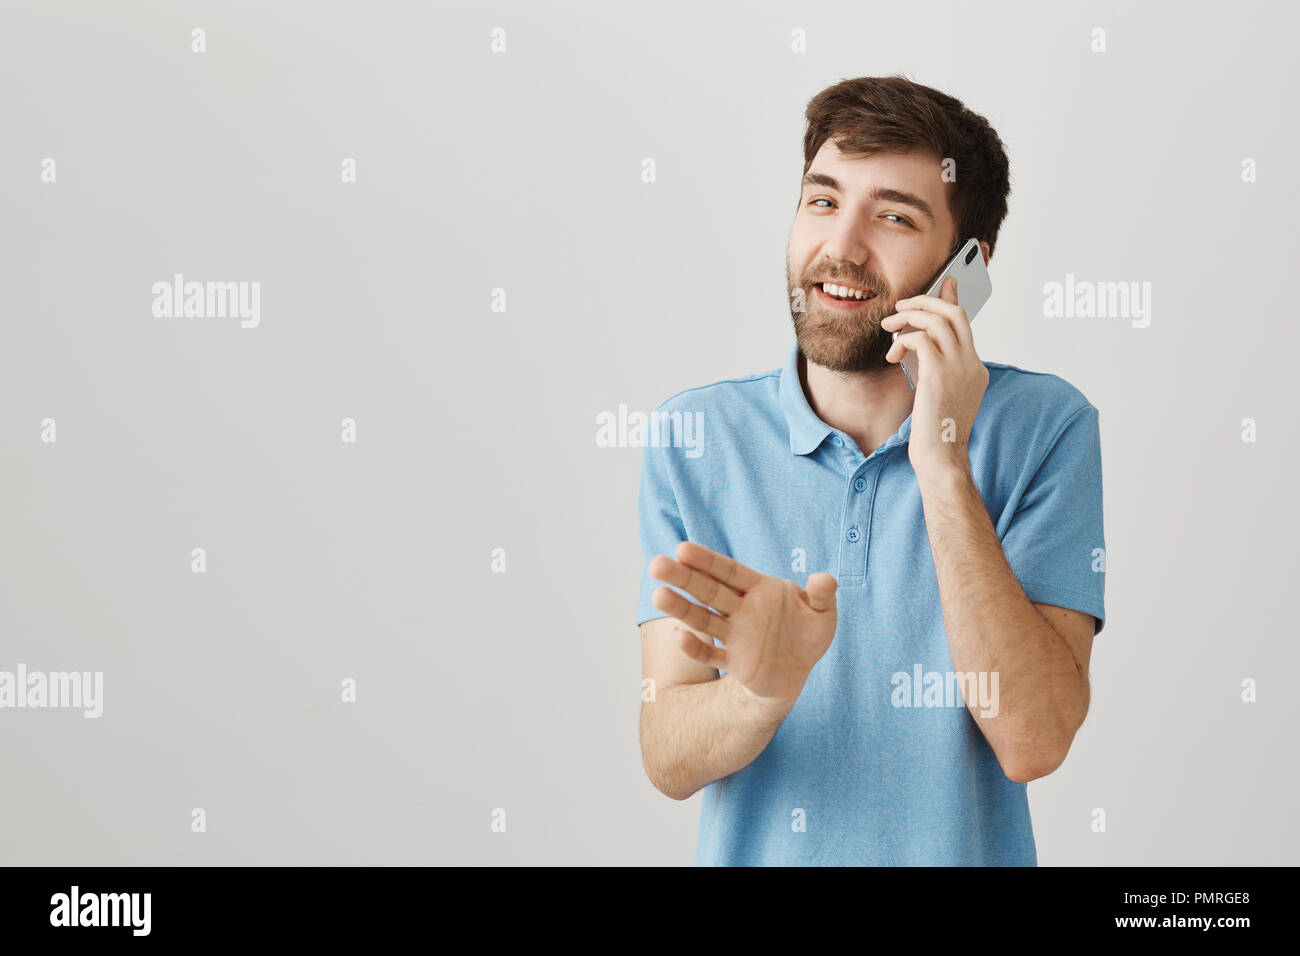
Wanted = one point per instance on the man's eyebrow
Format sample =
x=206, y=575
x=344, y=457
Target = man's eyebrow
x=880, y=193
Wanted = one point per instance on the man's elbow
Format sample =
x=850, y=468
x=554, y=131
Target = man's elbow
x=1024, y=768
x=666, y=785
x=660, y=775
x=678, y=794
x=657, y=760
x=1047, y=751
x=1033, y=763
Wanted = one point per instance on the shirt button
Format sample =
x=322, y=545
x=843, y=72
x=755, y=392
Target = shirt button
x=853, y=535
x=837, y=441
x=860, y=484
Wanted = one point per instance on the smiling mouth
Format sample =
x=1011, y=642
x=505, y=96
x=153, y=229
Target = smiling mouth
x=842, y=293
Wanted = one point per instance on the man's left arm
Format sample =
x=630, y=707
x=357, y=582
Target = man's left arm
x=1038, y=652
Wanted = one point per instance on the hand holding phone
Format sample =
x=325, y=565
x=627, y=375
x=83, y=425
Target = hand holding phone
x=973, y=289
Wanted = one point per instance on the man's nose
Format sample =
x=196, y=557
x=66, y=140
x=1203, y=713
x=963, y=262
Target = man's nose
x=848, y=245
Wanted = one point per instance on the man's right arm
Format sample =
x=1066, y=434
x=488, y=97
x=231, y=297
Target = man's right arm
x=699, y=727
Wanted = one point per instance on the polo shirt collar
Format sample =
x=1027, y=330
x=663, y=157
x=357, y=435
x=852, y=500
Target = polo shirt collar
x=807, y=431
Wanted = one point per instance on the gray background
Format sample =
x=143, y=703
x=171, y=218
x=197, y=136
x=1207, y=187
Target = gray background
x=476, y=429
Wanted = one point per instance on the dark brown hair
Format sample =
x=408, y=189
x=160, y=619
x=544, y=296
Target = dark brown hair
x=873, y=114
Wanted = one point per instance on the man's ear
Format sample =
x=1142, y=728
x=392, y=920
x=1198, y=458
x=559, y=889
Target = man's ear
x=984, y=247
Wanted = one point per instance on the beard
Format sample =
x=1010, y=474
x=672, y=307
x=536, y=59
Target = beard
x=843, y=340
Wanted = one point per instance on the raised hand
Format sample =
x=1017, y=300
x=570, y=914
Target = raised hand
x=773, y=630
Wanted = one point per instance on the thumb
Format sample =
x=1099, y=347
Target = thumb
x=821, y=591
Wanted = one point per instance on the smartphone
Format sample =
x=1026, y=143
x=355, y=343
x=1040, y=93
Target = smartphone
x=973, y=290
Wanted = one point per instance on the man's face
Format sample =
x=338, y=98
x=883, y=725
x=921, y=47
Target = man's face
x=879, y=224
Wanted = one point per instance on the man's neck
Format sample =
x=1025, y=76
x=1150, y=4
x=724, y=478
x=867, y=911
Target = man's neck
x=869, y=407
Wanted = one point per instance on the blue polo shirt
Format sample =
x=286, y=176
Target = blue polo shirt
x=876, y=764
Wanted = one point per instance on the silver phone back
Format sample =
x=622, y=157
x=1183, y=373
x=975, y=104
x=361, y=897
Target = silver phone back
x=973, y=289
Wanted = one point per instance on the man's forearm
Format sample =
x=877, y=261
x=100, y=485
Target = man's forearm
x=994, y=629
x=694, y=734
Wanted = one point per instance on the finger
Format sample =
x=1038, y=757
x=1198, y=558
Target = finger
x=698, y=650
x=694, y=616
x=939, y=327
x=960, y=321
x=918, y=342
x=947, y=306
x=930, y=303
x=820, y=591
x=729, y=571
x=700, y=586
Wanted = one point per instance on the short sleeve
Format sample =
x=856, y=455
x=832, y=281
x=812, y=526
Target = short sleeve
x=1055, y=544
x=659, y=521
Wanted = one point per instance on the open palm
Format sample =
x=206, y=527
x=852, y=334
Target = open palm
x=773, y=631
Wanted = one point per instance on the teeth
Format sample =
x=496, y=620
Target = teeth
x=844, y=292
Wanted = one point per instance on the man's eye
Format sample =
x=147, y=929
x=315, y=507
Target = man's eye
x=900, y=219
x=819, y=199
